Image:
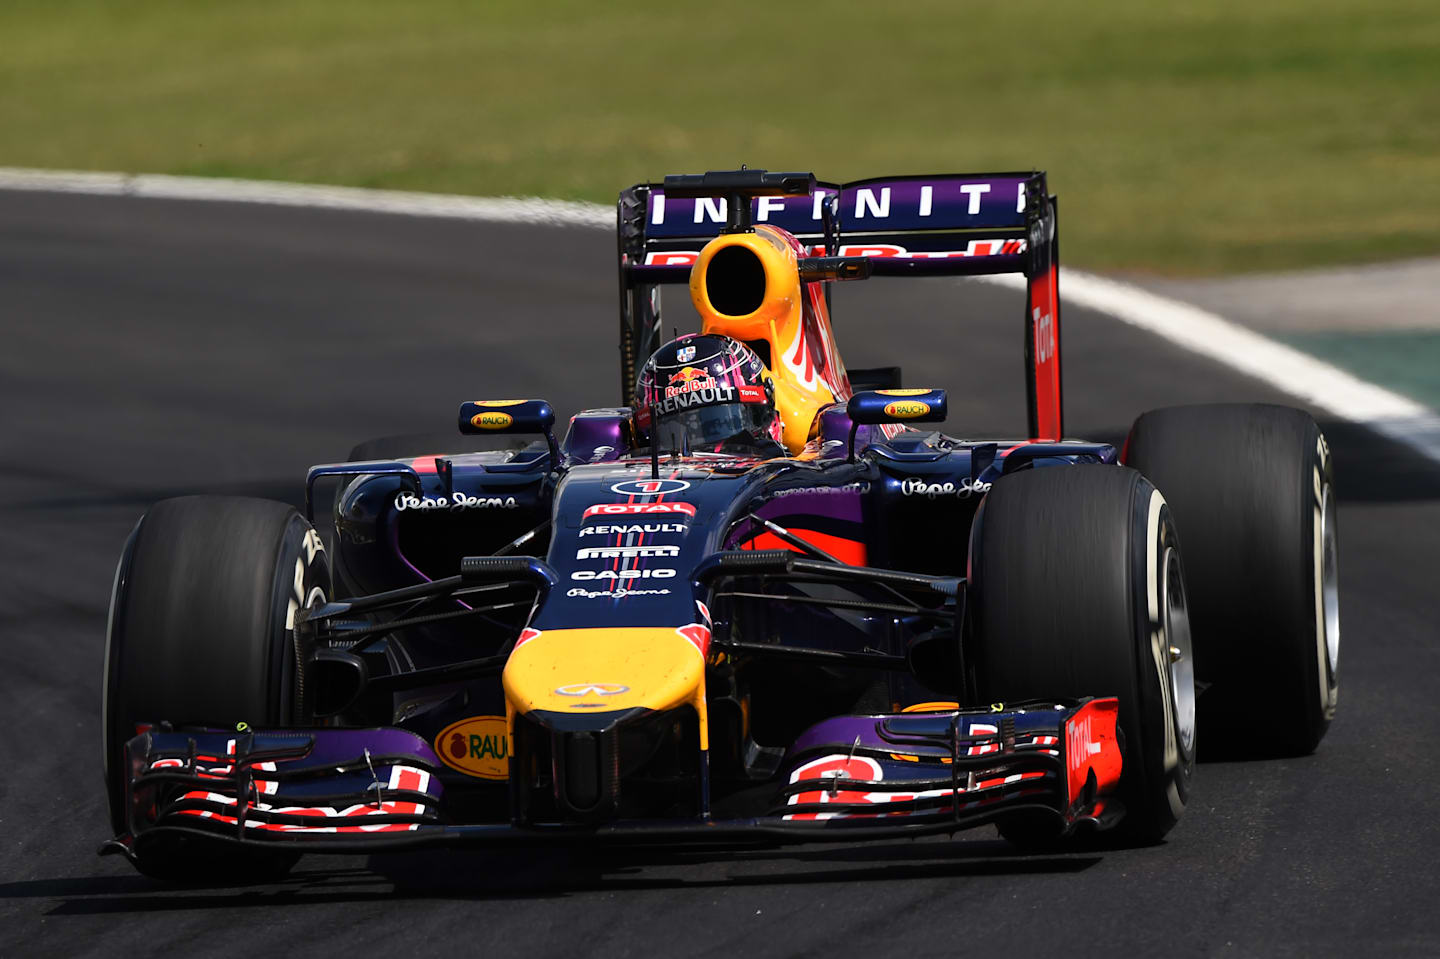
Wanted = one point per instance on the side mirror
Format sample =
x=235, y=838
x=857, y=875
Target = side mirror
x=813, y=268
x=479, y=417
x=874, y=407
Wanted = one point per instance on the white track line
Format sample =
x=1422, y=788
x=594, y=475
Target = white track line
x=506, y=209
x=1313, y=381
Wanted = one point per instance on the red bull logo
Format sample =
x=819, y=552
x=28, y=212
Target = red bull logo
x=686, y=374
x=688, y=380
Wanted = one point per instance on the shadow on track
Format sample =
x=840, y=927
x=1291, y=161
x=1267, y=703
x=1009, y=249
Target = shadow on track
x=1372, y=469
x=548, y=874
x=456, y=872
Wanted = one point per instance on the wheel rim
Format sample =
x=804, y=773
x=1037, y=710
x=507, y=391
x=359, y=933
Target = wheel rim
x=1330, y=584
x=1182, y=663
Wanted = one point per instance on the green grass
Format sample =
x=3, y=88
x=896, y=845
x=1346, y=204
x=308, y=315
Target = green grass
x=1183, y=138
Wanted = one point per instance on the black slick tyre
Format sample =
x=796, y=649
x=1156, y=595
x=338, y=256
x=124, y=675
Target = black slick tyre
x=1076, y=590
x=1252, y=490
x=200, y=632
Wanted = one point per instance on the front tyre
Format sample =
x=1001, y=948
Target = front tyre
x=1076, y=590
x=201, y=632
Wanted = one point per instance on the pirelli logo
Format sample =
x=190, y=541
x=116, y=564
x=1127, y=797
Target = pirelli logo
x=626, y=552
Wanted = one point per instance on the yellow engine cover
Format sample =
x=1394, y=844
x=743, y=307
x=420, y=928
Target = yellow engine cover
x=779, y=320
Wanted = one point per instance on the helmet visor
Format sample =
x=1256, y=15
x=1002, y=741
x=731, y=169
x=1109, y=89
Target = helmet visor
x=711, y=425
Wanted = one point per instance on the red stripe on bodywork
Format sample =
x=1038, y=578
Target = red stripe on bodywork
x=697, y=634
x=846, y=550
x=1044, y=324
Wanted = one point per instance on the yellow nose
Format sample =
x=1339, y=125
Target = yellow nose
x=579, y=671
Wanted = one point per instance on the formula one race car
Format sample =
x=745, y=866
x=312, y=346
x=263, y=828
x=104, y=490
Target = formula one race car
x=759, y=602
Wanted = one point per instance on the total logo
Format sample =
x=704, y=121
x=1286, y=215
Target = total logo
x=915, y=486
x=1044, y=335
x=650, y=487
x=586, y=575
x=633, y=509
x=1079, y=743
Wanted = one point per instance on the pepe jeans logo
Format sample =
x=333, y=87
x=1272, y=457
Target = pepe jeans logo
x=915, y=486
x=458, y=501
x=478, y=746
x=619, y=592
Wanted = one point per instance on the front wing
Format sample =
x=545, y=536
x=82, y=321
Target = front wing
x=851, y=777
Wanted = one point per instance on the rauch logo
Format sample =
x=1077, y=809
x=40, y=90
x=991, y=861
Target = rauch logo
x=478, y=746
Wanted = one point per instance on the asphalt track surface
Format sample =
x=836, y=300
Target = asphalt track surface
x=154, y=348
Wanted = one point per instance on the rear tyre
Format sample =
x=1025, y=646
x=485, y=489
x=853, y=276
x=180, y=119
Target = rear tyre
x=1252, y=490
x=200, y=631
x=1076, y=589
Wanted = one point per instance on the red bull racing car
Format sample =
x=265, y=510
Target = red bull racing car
x=764, y=599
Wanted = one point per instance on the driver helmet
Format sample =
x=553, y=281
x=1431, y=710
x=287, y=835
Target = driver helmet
x=706, y=392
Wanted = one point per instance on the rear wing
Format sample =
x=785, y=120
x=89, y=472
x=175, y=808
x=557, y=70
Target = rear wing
x=951, y=225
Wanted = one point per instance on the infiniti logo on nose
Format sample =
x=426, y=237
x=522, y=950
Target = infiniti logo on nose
x=599, y=689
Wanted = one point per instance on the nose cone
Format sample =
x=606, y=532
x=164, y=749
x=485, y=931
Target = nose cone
x=578, y=671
